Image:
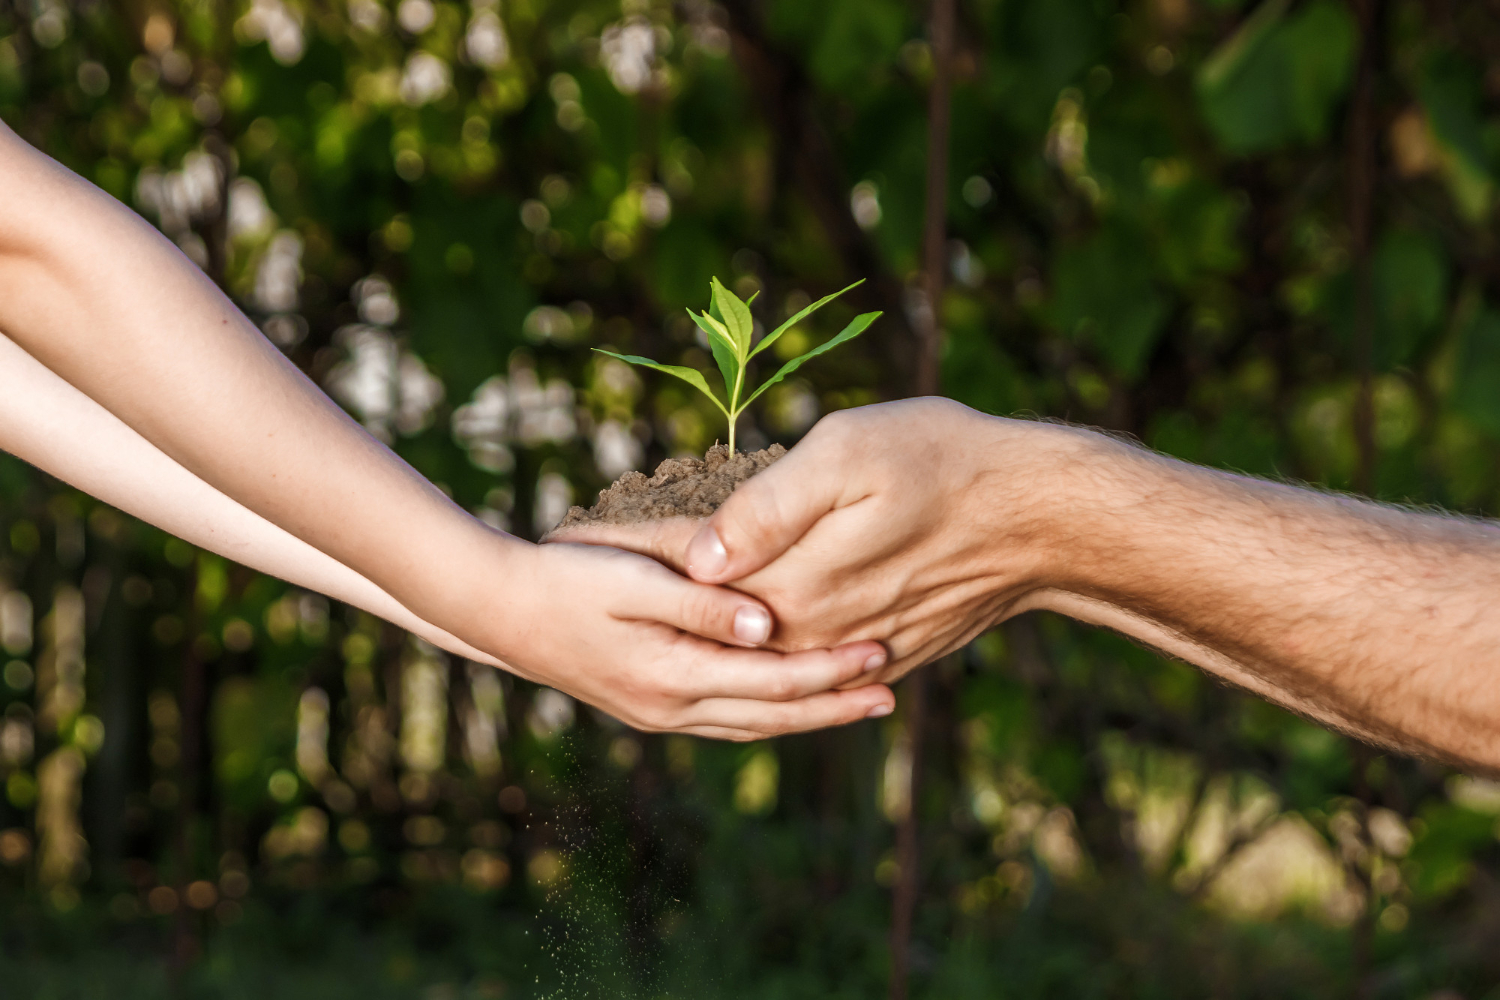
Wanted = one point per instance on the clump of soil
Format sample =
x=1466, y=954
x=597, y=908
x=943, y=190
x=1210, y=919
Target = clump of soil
x=682, y=487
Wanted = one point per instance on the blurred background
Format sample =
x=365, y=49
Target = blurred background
x=1258, y=235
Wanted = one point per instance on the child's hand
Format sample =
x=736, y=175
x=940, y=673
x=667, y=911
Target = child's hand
x=624, y=633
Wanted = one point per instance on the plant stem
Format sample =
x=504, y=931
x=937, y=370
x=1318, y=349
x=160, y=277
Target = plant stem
x=734, y=406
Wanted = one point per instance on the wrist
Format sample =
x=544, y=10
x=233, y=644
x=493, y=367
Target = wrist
x=1055, y=503
x=1115, y=512
x=474, y=586
x=508, y=598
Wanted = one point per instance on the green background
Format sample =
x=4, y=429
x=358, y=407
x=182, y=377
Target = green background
x=222, y=787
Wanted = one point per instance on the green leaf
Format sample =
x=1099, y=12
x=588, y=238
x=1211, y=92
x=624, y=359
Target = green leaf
x=1230, y=58
x=1321, y=43
x=1410, y=290
x=1280, y=77
x=1411, y=295
x=1105, y=294
x=775, y=334
x=857, y=39
x=854, y=329
x=1451, y=93
x=1476, y=383
x=737, y=318
x=688, y=375
x=723, y=348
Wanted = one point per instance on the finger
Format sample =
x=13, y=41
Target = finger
x=819, y=711
x=720, y=733
x=764, y=676
x=665, y=541
x=659, y=595
x=766, y=515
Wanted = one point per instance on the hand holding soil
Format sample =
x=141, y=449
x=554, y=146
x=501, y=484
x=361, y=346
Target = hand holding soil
x=130, y=374
x=579, y=606
x=920, y=524
x=681, y=488
x=875, y=527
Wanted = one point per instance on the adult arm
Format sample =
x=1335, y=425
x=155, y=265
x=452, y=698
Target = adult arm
x=923, y=523
x=109, y=305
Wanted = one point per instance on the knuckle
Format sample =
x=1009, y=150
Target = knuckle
x=781, y=727
x=760, y=522
x=670, y=689
x=633, y=717
x=631, y=572
x=700, y=610
x=780, y=687
x=837, y=423
x=636, y=721
x=774, y=723
x=657, y=719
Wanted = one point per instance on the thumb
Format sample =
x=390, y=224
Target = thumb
x=665, y=540
x=763, y=518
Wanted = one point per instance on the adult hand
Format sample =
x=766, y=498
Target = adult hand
x=922, y=523
x=916, y=524
x=577, y=608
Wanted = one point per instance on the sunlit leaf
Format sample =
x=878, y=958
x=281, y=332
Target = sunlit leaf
x=688, y=375
x=737, y=318
x=722, y=347
x=859, y=325
x=775, y=334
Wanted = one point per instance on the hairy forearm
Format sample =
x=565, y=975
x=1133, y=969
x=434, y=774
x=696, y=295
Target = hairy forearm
x=1371, y=619
x=52, y=425
x=104, y=301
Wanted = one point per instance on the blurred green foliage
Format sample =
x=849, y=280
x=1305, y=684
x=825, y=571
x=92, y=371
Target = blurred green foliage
x=219, y=785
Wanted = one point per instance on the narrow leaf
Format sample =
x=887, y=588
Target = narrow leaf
x=1226, y=60
x=723, y=348
x=688, y=375
x=775, y=334
x=854, y=329
x=737, y=318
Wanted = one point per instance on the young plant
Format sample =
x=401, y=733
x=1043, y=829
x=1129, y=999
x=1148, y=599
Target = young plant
x=728, y=326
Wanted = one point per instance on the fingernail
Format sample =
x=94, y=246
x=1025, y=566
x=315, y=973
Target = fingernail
x=706, y=555
x=878, y=712
x=752, y=625
x=875, y=662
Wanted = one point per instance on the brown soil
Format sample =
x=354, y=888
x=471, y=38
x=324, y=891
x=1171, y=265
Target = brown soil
x=682, y=487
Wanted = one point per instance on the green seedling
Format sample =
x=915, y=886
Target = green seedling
x=728, y=326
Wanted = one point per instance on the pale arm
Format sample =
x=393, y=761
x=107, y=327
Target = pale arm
x=104, y=301
x=58, y=429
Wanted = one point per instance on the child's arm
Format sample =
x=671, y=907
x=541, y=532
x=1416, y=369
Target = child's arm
x=96, y=295
x=58, y=429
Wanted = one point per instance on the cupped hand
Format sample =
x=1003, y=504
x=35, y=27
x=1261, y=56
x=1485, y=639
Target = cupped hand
x=663, y=653
x=917, y=524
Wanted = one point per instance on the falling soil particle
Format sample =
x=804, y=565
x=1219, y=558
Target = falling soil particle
x=682, y=487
